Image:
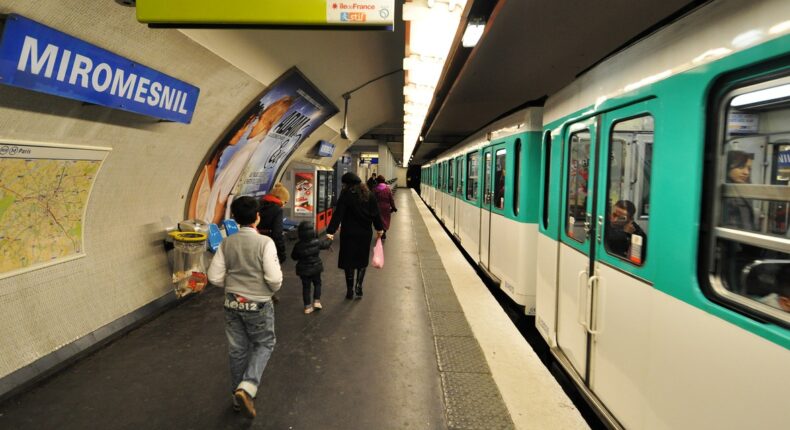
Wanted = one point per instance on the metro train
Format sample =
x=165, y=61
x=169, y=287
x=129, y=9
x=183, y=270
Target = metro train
x=641, y=215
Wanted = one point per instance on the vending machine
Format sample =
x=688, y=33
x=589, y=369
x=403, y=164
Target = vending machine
x=325, y=198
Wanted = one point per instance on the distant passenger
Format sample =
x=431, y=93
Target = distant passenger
x=737, y=211
x=246, y=265
x=309, y=265
x=386, y=202
x=371, y=182
x=619, y=233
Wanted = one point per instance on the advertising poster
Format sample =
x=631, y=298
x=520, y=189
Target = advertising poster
x=303, y=200
x=250, y=156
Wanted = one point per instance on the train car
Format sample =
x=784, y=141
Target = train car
x=661, y=261
x=486, y=196
x=663, y=281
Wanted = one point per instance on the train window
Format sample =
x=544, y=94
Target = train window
x=451, y=174
x=628, y=189
x=750, y=260
x=578, y=177
x=546, y=176
x=516, y=174
x=499, y=179
x=472, y=174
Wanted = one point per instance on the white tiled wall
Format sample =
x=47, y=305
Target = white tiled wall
x=146, y=176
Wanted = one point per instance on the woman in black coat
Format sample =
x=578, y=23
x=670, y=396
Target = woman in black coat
x=356, y=211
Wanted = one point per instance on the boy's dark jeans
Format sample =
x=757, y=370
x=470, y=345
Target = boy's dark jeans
x=306, y=281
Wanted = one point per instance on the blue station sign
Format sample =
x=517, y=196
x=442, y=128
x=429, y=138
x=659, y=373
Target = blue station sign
x=40, y=58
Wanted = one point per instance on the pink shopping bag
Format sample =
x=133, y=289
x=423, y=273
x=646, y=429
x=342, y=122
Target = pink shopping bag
x=378, y=255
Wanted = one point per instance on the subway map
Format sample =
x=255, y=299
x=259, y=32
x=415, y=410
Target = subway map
x=43, y=195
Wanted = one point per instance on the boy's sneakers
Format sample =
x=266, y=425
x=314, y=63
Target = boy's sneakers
x=308, y=310
x=317, y=305
x=245, y=401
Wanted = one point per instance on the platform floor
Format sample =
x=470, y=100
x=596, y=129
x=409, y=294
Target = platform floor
x=426, y=348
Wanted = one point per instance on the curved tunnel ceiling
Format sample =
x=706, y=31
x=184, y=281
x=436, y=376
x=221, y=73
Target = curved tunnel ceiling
x=336, y=61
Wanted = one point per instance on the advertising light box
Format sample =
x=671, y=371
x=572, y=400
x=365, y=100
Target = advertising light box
x=366, y=13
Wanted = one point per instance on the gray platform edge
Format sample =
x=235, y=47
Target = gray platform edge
x=471, y=397
x=50, y=364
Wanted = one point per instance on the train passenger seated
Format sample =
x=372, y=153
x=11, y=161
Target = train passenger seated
x=738, y=211
x=620, y=229
x=780, y=299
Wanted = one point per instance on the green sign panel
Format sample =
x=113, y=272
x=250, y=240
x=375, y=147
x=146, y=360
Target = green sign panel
x=267, y=12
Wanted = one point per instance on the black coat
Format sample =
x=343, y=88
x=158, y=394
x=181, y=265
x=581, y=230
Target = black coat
x=272, y=225
x=356, y=217
x=306, y=252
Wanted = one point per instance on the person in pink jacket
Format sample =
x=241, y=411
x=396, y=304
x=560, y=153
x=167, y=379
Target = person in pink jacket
x=385, y=201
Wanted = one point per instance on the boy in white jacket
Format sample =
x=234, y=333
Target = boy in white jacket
x=246, y=265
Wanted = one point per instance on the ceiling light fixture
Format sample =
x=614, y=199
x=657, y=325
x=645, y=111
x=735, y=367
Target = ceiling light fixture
x=474, y=30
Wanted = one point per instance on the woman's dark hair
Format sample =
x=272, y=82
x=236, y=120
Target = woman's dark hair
x=737, y=159
x=380, y=179
x=355, y=185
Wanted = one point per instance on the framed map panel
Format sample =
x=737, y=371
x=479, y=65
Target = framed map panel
x=44, y=192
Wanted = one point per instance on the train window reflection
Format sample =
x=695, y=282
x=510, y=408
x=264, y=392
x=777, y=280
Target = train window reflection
x=459, y=174
x=487, y=179
x=578, y=178
x=451, y=172
x=499, y=179
x=472, y=169
x=751, y=259
x=628, y=189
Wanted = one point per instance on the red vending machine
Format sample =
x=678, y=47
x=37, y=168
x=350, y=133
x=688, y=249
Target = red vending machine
x=324, y=199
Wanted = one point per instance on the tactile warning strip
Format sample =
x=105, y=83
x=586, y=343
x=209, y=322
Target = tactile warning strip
x=450, y=324
x=471, y=398
x=460, y=354
x=473, y=402
x=443, y=303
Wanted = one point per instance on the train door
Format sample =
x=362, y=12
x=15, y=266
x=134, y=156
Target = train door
x=485, y=208
x=604, y=275
x=459, y=192
x=574, y=256
x=621, y=289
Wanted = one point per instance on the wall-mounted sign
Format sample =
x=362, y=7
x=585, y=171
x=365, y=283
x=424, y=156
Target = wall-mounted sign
x=325, y=149
x=248, y=159
x=39, y=58
x=371, y=13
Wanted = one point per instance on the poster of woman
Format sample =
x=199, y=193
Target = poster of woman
x=249, y=158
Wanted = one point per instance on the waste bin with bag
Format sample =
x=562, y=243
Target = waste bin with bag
x=189, y=266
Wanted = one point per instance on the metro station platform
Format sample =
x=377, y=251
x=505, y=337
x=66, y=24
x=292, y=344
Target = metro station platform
x=427, y=347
